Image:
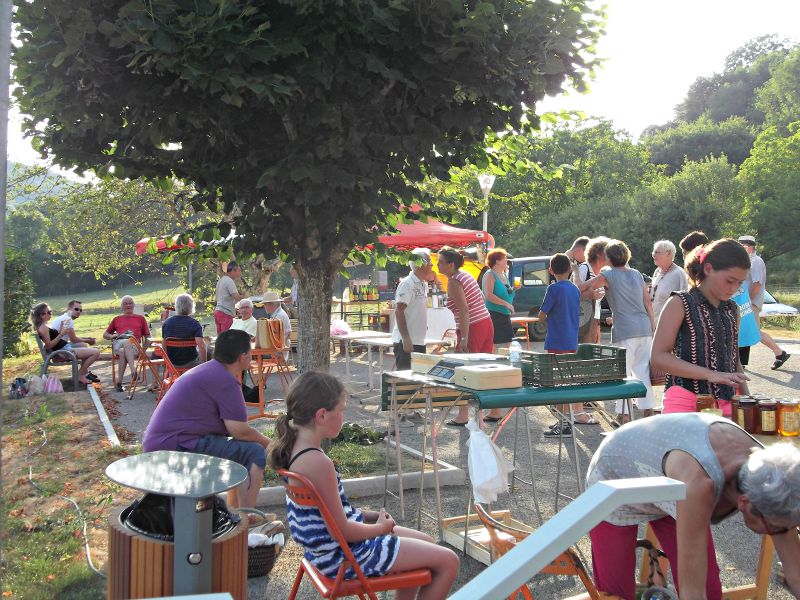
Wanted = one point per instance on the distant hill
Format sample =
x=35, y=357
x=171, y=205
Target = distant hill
x=22, y=189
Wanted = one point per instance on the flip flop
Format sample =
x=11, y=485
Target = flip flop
x=454, y=423
x=492, y=419
x=590, y=420
x=779, y=360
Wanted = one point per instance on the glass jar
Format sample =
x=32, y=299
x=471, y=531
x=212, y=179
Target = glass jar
x=768, y=421
x=705, y=402
x=789, y=417
x=747, y=414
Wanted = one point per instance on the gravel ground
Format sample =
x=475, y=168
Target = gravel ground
x=736, y=546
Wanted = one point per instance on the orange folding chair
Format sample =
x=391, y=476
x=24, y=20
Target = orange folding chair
x=301, y=491
x=450, y=336
x=503, y=538
x=268, y=357
x=143, y=364
x=171, y=372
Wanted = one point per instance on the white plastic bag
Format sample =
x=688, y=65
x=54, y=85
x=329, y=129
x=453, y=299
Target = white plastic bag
x=36, y=385
x=488, y=468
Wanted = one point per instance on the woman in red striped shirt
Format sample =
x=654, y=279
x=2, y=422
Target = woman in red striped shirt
x=473, y=325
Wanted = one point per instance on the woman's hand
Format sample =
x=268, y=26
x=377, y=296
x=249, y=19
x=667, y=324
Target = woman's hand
x=732, y=379
x=462, y=345
x=386, y=521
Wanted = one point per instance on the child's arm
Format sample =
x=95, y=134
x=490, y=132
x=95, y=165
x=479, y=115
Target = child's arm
x=320, y=470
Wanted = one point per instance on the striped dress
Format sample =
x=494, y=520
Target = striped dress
x=476, y=303
x=708, y=337
x=376, y=555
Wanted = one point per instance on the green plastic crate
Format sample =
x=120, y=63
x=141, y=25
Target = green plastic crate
x=592, y=363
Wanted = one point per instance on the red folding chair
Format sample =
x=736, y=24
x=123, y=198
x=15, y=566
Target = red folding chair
x=171, y=372
x=143, y=364
x=301, y=491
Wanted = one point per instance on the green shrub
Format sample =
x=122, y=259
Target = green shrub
x=17, y=302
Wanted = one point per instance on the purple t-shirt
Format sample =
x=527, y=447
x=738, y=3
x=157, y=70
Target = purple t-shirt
x=561, y=304
x=195, y=406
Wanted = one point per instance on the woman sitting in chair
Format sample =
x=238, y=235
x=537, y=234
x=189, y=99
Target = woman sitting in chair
x=183, y=326
x=55, y=340
x=315, y=406
x=120, y=329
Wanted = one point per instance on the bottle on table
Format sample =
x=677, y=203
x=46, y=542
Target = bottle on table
x=515, y=354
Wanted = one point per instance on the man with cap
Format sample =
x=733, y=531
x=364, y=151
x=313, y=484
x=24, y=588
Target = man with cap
x=272, y=304
x=411, y=309
x=757, y=281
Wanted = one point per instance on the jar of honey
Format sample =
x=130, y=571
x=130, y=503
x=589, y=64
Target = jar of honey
x=768, y=413
x=705, y=402
x=747, y=414
x=789, y=417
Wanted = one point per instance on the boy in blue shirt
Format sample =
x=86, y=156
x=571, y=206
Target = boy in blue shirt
x=560, y=310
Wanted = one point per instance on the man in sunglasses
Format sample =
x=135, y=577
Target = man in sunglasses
x=74, y=310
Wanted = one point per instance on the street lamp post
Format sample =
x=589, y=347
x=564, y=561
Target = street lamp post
x=486, y=182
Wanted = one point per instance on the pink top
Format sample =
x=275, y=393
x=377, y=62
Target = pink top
x=476, y=304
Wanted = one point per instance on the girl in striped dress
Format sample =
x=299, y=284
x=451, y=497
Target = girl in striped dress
x=315, y=405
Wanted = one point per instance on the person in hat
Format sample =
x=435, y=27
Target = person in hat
x=272, y=304
x=757, y=281
x=411, y=309
x=246, y=322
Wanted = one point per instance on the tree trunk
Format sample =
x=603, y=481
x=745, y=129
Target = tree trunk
x=315, y=289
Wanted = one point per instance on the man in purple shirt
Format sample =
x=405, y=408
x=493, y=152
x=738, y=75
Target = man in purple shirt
x=204, y=412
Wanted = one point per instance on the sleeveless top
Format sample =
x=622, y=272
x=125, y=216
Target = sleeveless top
x=708, y=337
x=53, y=335
x=375, y=556
x=502, y=291
x=639, y=449
x=476, y=305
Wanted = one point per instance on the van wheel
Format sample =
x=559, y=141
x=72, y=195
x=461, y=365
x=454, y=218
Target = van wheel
x=537, y=331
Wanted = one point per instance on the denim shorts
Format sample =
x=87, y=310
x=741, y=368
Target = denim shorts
x=244, y=453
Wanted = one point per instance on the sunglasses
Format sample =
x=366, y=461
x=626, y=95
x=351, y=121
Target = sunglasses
x=78, y=309
x=768, y=530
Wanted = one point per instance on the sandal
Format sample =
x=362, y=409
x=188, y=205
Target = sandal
x=590, y=420
x=492, y=419
x=779, y=360
x=92, y=377
x=454, y=423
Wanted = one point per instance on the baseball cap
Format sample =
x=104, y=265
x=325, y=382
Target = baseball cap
x=747, y=239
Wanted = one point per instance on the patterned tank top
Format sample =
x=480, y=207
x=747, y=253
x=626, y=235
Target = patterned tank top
x=708, y=337
x=476, y=304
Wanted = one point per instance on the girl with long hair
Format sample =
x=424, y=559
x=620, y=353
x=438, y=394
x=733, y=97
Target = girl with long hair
x=315, y=404
x=56, y=340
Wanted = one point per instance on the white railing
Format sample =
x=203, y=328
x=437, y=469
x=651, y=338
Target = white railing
x=536, y=551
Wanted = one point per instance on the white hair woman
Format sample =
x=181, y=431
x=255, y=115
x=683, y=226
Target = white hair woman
x=246, y=322
x=120, y=329
x=182, y=326
x=725, y=470
x=667, y=278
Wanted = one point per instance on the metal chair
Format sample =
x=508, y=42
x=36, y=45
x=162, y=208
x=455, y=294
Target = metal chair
x=143, y=364
x=503, y=538
x=449, y=336
x=171, y=372
x=303, y=493
x=58, y=358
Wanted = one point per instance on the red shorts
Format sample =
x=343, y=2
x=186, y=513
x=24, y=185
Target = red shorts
x=481, y=336
x=223, y=321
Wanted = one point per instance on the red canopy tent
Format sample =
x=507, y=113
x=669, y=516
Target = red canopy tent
x=434, y=234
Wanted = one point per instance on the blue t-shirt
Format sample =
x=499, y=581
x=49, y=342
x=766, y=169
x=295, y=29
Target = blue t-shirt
x=182, y=327
x=561, y=304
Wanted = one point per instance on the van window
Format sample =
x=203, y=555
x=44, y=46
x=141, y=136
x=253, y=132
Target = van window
x=534, y=273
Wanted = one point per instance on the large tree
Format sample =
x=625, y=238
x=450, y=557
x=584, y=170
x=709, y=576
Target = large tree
x=307, y=122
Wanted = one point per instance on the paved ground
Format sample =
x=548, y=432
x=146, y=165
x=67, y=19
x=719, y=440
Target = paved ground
x=737, y=547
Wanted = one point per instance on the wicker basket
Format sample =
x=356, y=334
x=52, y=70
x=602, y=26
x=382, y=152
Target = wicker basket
x=592, y=363
x=261, y=559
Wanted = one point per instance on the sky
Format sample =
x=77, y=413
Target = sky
x=654, y=50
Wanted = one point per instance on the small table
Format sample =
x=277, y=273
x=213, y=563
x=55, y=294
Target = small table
x=522, y=323
x=192, y=480
x=382, y=344
x=349, y=338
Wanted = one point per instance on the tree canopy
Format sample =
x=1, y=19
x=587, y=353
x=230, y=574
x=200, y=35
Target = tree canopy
x=307, y=123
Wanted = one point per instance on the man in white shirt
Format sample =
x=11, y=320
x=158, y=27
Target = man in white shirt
x=757, y=281
x=74, y=310
x=227, y=297
x=247, y=322
x=411, y=309
x=272, y=304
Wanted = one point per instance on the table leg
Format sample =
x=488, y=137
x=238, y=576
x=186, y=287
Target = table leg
x=435, y=450
x=347, y=358
x=530, y=458
x=575, y=451
x=369, y=368
x=192, y=556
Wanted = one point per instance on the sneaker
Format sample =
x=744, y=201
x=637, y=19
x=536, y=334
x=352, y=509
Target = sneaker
x=557, y=430
x=118, y=388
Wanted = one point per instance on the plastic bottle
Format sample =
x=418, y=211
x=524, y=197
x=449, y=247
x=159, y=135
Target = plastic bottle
x=515, y=354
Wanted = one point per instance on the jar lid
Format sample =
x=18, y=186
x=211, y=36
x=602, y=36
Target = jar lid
x=789, y=402
x=767, y=402
x=747, y=400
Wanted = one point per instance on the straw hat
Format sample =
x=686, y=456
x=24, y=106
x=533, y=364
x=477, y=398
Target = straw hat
x=271, y=297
